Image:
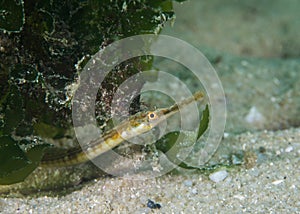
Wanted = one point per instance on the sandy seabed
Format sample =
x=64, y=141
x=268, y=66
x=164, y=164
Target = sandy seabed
x=247, y=44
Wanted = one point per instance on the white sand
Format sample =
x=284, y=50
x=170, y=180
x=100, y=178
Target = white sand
x=271, y=186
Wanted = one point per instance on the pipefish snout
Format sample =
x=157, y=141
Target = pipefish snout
x=134, y=126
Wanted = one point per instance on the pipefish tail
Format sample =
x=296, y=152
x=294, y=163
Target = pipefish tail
x=134, y=126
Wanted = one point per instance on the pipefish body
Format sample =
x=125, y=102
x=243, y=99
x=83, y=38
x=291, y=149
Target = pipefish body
x=134, y=126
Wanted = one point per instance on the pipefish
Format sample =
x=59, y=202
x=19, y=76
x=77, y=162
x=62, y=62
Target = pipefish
x=134, y=126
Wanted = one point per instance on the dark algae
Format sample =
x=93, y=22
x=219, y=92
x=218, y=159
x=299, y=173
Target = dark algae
x=43, y=46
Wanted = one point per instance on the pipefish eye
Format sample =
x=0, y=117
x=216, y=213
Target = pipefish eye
x=152, y=116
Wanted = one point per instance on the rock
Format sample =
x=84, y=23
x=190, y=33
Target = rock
x=218, y=176
x=188, y=183
x=289, y=149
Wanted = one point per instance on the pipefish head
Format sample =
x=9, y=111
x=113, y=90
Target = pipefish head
x=141, y=123
x=145, y=121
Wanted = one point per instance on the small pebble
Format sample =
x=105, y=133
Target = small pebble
x=188, y=183
x=289, y=149
x=194, y=191
x=262, y=149
x=277, y=182
x=226, y=135
x=218, y=176
x=240, y=197
x=253, y=172
x=153, y=205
